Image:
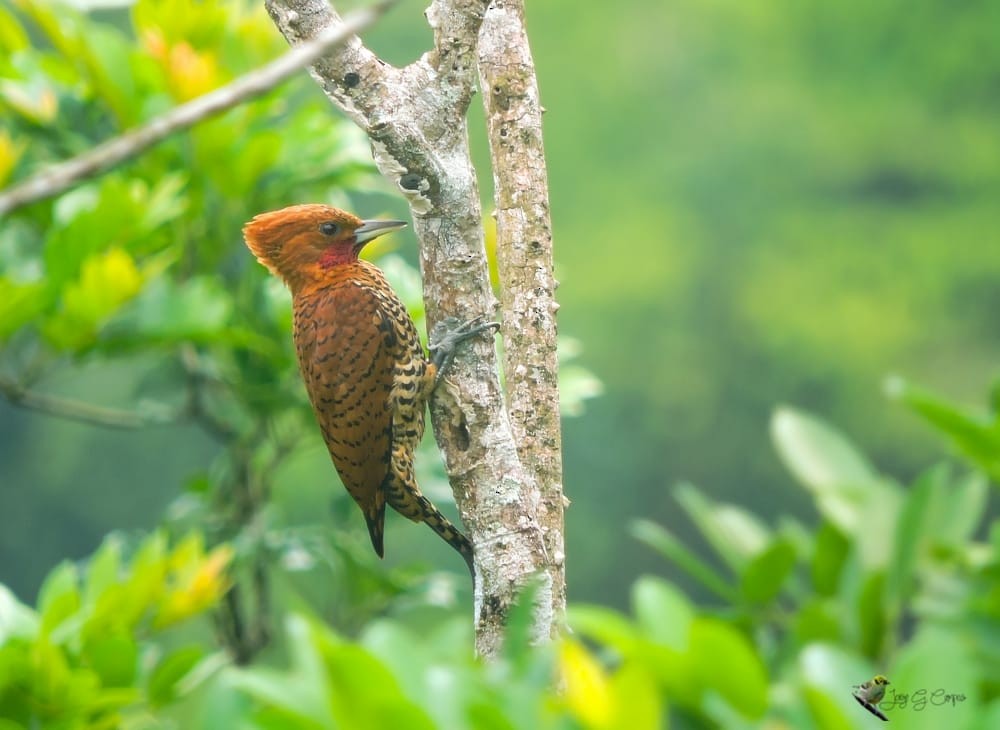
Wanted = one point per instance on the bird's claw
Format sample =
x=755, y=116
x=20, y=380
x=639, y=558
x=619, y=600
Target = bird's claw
x=449, y=333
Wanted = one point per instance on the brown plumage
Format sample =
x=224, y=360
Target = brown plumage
x=360, y=357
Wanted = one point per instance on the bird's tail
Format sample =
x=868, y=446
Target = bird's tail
x=449, y=533
x=376, y=529
x=407, y=499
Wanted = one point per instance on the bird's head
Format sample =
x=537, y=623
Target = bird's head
x=880, y=680
x=294, y=241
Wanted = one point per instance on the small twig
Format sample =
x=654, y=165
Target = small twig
x=16, y=394
x=61, y=177
x=194, y=410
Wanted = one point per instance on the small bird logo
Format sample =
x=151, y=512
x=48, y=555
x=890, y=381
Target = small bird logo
x=870, y=694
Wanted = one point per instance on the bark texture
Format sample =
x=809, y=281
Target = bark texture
x=525, y=265
x=415, y=118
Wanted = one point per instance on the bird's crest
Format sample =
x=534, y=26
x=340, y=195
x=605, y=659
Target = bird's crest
x=284, y=240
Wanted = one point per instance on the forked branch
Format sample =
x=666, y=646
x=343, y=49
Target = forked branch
x=416, y=119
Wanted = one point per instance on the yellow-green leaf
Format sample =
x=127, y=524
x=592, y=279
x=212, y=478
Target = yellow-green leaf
x=588, y=694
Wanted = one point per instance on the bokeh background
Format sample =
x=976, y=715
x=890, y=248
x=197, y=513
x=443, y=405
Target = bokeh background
x=755, y=203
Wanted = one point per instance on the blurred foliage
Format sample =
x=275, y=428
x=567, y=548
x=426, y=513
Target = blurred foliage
x=86, y=657
x=758, y=203
x=884, y=578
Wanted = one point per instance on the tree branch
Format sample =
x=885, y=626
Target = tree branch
x=61, y=177
x=524, y=261
x=195, y=409
x=73, y=410
x=416, y=120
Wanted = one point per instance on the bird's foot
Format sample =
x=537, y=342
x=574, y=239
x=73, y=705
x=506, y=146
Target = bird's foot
x=449, y=333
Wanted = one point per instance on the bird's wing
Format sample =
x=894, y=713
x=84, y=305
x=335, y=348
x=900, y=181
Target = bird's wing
x=344, y=346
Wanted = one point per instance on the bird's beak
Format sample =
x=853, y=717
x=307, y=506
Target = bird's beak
x=373, y=229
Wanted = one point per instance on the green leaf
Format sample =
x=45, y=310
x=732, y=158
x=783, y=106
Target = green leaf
x=764, y=576
x=959, y=509
x=817, y=455
x=827, y=713
x=818, y=620
x=362, y=690
x=663, y=612
x=975, y=436
x=400, y=650
x=603, y=625
x=876, y=531
x=826, y=674
x=675, y=672
x=298, y=695
x=165, y=201
x=198, y=23
x=872, y=615
x=735, y=534
x=114, y=657
x=637, y=701
x=107, y=59
x=743, y=681
x=485, y=715
x=255, y=159
x=146, y=581
x=170, y=670
x=332, y=683
x=915, y=520
x=103, y=569
x=17, y=621
x=13, y=37
x=59, y=596
x=660, y=540
x=33, y=100
x=830, y=552
x=826, y=464
x=107, y=281
x=20, y=304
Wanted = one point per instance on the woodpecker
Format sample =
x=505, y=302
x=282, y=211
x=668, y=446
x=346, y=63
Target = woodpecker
x=360, y=356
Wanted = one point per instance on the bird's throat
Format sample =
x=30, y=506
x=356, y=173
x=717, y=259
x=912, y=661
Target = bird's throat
x=338, y=256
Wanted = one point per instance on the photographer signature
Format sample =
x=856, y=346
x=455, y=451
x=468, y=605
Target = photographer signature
x=920, y=699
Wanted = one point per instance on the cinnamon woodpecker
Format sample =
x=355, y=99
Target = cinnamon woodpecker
x=360, y=356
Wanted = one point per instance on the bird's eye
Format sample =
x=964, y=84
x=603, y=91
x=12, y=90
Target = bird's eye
x=329, y=228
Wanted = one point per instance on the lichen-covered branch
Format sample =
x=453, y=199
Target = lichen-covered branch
x=56, y=179
x=524, y=261
x=416, y=120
